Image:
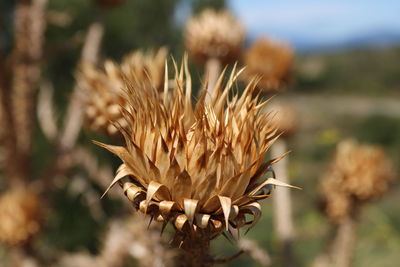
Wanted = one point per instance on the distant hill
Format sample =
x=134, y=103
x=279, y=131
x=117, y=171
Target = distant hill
x=375, y=39
x=380, y=38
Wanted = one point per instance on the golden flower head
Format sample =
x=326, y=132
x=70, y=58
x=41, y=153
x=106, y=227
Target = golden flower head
x=199, y=167
x=20, y=213
x=358, y=173
x=271, y=60
x=214, y=34
x=103, y=88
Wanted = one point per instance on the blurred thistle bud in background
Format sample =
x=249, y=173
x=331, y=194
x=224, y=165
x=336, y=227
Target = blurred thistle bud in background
x=272, y=61
x=358, y=173
x=214, y=34
x=21, y=213
x=104, y=87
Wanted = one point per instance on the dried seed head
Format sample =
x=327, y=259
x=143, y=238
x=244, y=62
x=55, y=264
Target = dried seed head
x=103, y=88
x=199, y=168
x=284, y=116
x=214, y=34
x=272, y=61
x=358, y=173
x=146, y=68
x=20, y=213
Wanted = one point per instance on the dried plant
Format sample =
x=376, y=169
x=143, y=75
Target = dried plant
x=21, y=214
x=18, y=89
x=198, y=168
x=255, y=251
x=272, y=61
x=46, y=111
x=124, y=239
x=103, y=88
x=22, y=209
x=358, y=173
x=214, y=34
x=29, y=37
x=73, y=118
x=148, y=247
x=147, y=68
x=102, y=98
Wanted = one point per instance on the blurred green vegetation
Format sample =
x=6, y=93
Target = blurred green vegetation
x=380, y=130
x=365, y=71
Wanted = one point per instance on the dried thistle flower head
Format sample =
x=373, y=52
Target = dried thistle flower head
x=358, y=173
x=20, y=213
x=271, y=60
x=147, y=68
x=199, y=168
x=214, y=34
x=284, y=117
x=103, y=88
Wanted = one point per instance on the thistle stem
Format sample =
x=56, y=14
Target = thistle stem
x=283, y=204
x=19, y=257
x=340, y=247
x=73, y=121
x=195, y=252
x=30, y=25
x=212, y=71
x=7, y=136
x=344, y=243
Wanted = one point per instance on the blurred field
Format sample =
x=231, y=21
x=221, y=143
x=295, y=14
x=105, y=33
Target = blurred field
x=357, y=71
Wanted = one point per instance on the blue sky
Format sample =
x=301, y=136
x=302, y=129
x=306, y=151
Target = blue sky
x=323, y=21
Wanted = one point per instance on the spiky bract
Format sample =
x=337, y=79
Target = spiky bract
x=272, y=61
x=103, y=88
x=358, y=173
x=214, y=34
x=199, y=167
